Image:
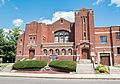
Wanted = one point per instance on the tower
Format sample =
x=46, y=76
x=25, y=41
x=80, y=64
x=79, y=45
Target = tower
x=84, y=33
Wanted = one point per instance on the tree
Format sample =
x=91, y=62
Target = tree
x=10, y=44
x=2, y=41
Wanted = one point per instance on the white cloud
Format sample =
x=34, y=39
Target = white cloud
x=17, y=22
x=57, y=15
x=116, y=2
x=97, y=2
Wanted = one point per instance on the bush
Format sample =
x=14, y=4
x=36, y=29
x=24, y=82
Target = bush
x=31, y=64
x=63, y=65
x=101, y=69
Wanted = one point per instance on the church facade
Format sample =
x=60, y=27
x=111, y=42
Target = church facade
x=70, y=40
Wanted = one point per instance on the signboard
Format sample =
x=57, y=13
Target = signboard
x=53, y=57
x=104, y=54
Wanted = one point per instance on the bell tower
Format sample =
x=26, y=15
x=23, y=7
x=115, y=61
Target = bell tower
x=84, y=32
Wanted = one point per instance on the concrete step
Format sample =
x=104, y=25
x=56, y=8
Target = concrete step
x=84, y=61
x=85, y=67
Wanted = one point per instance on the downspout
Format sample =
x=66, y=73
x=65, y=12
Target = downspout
x=111, y=44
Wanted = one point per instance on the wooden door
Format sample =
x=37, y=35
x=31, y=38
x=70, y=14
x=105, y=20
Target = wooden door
x=85, y=54
x=105, y=60
x=31, y=54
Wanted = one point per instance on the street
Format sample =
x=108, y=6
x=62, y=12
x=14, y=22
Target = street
x=20, y=80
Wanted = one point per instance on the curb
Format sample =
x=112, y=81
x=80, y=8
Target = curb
x=63, y=76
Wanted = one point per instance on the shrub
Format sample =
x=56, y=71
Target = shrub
x=31, y=64
x=63, y=65
x=101, y=69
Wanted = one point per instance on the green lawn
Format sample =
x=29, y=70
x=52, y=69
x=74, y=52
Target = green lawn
x=117, y=66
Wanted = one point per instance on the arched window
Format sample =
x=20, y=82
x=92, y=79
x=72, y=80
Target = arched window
x=61, y=36
x=45, y=52
x=70, y=52
x=51, y=51
x=63, y=52
x=31, y=40
x=57, y=52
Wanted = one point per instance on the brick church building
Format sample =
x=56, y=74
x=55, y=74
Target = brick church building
x=70, y=40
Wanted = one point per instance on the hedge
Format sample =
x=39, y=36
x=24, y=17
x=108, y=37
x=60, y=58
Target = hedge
x=63, y=65
x=31, y=64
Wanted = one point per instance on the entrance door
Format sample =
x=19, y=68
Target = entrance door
x=85, y=54
x=105, y=59
x=31, y=54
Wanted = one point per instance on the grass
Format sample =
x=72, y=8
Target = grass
x=117, y=66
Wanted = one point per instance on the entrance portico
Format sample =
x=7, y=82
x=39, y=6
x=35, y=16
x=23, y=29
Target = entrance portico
x=84, y=50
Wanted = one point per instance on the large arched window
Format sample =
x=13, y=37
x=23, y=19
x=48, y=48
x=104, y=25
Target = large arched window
x=51, y=51
x=61, y=36
x=63, y=52
x=45, y=52
x=57, y=52
x=70, y=52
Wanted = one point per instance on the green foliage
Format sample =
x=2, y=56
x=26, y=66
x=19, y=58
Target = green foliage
x=63, y=65
x=101, y=69
x=8, y=43
x=2, y=41
x=31, y=64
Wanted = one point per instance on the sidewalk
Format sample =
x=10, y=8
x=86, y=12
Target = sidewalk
x=62, y=76
x=8, y=68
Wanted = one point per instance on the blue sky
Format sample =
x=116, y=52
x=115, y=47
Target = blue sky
x=19, y=12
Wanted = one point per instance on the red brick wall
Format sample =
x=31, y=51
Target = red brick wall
x=45, y=34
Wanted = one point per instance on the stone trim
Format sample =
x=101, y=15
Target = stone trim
x=102, y=32
x=106, y=46
x=105, y=52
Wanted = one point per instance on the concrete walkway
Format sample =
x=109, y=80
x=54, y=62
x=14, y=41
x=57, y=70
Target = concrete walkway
x=62, y=76
x=8, y=68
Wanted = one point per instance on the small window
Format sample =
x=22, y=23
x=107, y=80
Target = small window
x=21, y=40
x=85, y=35
x=103, y=39
x=45, y=52
x=51, y=52
x=61, y=21
x=118, y=50
x=31, y=40
x=70, y=52
x=57, y=52
x=118, y=35
x=34, y=38
x=20, y=52
x=63, y=52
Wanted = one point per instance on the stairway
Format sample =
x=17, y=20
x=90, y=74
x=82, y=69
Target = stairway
x=85, y=67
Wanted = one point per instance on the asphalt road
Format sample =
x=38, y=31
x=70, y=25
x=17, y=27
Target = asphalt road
x=20, y=80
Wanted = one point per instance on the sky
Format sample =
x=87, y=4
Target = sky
x=19, y=12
